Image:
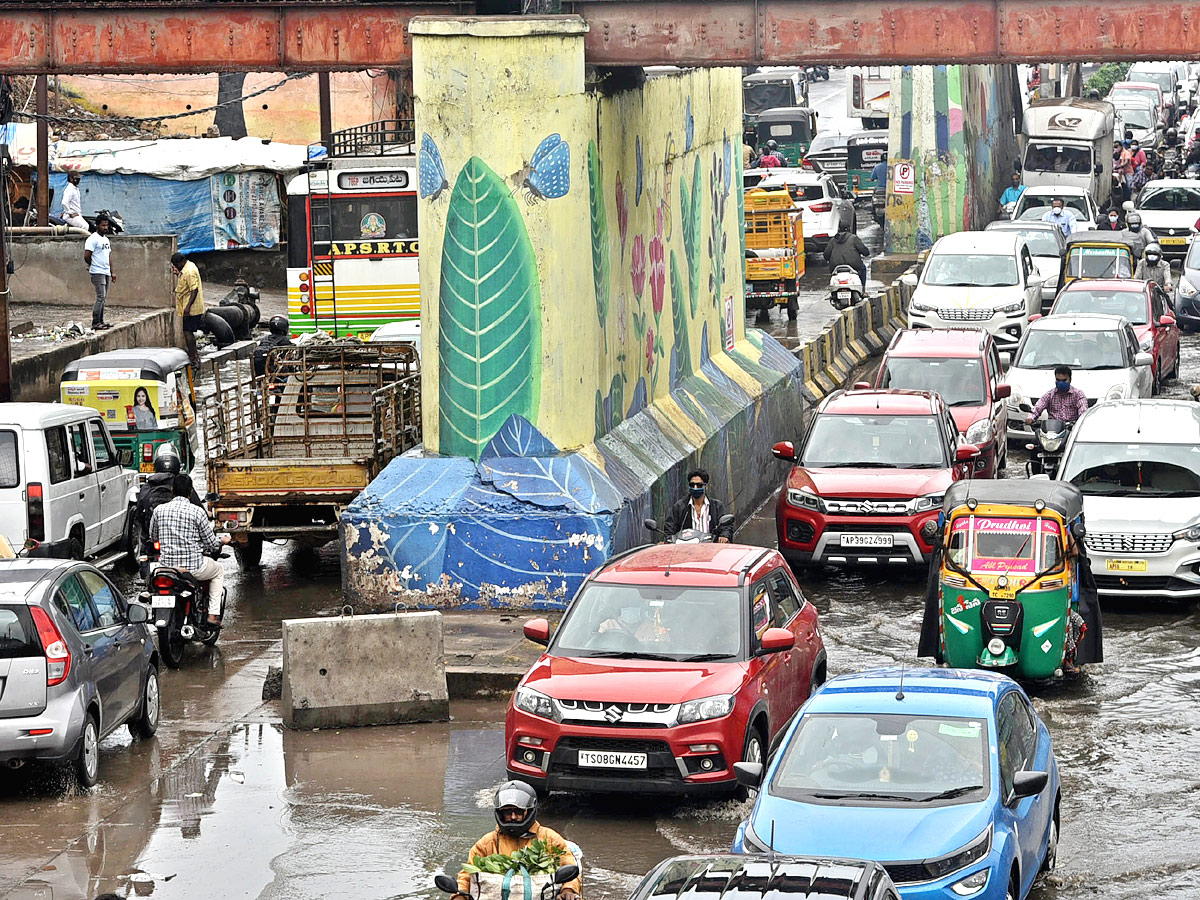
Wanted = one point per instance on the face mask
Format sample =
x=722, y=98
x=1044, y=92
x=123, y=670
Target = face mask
x=1113, y=219
x=1152, y=259
x=1063, y=386
x=697, y=490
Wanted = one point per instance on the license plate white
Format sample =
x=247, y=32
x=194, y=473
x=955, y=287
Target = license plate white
x=866, y=540
x=597, y=759
x=843, y=295
x=162, y=601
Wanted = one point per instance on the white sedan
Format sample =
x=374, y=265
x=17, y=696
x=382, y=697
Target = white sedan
x=1035, y=203
x=1170, y=208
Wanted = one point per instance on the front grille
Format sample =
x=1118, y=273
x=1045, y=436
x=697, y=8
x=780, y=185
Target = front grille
x=849, y=507
x=599, y=706
x=869, y=528
x=1128, y=542
x=906, y=873
x=1132, y=582
x=978, y=314
x=613, y=745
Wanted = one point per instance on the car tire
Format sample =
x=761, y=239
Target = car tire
x=1014, y=887
x=146, y=724
x=87, y=763
x=1051, y=860
x=754, y=749
x=132, y=548
x=1174, y=369
x=75, y=549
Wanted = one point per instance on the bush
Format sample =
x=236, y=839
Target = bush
x=1106, y=76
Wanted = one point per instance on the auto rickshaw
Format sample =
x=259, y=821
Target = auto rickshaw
x=1008, y=576
x=791, y=127
x=774, y=251
x=1100, y=254
x=863, y=153
x=147, y=397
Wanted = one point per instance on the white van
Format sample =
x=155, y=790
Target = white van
x=61, y=482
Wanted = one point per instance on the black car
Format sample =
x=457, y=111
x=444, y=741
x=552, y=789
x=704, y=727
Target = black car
x=766, y=877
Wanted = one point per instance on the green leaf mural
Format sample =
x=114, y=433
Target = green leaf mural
x=489, y=315
x=599, y=238
x=680, y=320
x=689, y=212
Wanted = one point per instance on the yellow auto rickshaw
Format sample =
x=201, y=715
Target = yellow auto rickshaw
x=1100, y=254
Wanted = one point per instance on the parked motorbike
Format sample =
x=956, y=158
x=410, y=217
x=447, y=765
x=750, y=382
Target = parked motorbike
x=115, y=223
x=686, y=535
x=562, y=875
x=812, y=73
x=1049, y=438
x=179, y=605
x=845, y=288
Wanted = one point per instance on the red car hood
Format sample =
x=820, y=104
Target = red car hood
x=872, y=482
x=632, y=680
x=1142, y=331
x=966, y=416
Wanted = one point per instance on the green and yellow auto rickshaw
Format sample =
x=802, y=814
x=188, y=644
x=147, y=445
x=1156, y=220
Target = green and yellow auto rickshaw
x=1100, y=254
x=791, y=127
x=147, y=397
x=863, y=153
x=1008, y=576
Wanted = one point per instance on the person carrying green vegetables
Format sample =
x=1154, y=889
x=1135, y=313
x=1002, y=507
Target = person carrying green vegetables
x=516, y=829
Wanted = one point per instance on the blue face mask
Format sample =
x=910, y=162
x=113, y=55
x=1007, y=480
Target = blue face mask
x=697, y=490
x=1063, y=386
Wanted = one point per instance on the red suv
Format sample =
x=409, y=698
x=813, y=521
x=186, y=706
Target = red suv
x=868, y=484
x=962, y=366
x=671, y=664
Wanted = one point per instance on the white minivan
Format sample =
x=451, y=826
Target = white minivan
x=61, y=482
x=979, y=279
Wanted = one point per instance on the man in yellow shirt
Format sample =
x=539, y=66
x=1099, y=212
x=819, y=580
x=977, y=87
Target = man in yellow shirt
x=189, y=301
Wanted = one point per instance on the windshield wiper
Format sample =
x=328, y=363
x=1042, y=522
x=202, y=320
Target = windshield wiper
x=705, y=657
x=630, y=654
x=953, y=792
x=926, y=466
x=966, y=403
x=858, y=465
x=863, y=795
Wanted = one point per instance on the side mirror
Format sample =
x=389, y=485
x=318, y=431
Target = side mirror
x=538, y=631
x=125, y=457
x=1142, y=360
x=1127, y=206
x=650, y=524
x=1003, y=391
x=138, y=614
x=213, y=497
x=1029, y=784
x=748, y=774
x=726, y=519
x=565, y=874
x=1078, y=531
x=909, y=279
x=445, y=883
x=862, y=385
x=965, y=452
x=1035, y=317
x=1096, y=169
x=784, y=450
x=1006, y=358
x=1166, y=321
x=776, y=640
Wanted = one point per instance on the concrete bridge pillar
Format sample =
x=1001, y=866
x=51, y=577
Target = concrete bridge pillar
x=582, y=318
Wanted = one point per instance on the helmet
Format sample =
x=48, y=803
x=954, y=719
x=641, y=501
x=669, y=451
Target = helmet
x=166, y=459
x=1172, y=136
x=772, y=145
x=1153, y=253
x=278, y=325
x=516, y=795
x=1133, y=221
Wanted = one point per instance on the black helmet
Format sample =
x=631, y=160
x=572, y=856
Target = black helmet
x=166, y=459
x=1172, y=135
x=772, y=145
x=278, y=325
x=516, y=795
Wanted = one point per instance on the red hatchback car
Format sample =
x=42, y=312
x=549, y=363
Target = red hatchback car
x=671, y=664
x=1143, y=303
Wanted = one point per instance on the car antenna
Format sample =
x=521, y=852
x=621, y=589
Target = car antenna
x=900, y=690
x=771, y=844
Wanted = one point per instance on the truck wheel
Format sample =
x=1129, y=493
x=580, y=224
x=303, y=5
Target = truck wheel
x=793, y=308
x=249, y=553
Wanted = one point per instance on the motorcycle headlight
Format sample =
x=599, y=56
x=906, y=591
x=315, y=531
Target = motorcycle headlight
x=980, y=432
x=1117, y=392
x=1015, y=306
x=928, y=502
x=805, y=499
x=1185, y=287
x=534, y=703
x=1191, y=533
x=706, y=708
x=960, y=859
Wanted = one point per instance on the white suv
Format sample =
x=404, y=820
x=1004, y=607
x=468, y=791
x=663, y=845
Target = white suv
x=820, y=201
x=980, y=279
x=1141, y=499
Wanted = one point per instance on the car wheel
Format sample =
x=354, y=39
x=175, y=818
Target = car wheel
x=1174, y=368
x=1051, y=859
x=1014, y=888
x=87, y=764
x=131, y=542
x=146, y=723
x=75, y=548
x=753, y=750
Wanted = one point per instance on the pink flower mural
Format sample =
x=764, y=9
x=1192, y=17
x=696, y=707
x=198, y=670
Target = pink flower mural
x=658, y=273
x=622, y=213
x=637, y=266
x=650, y=350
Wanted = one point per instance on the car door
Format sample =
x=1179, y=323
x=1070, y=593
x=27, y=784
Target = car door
x=127, y=641
x=110, y=479
x=1142, y=376
x=84, y=487
x=772, y=670
x=1015, y=738
x=999, y=407
x=99, y=647
x=1166, y=337
x=801, y=620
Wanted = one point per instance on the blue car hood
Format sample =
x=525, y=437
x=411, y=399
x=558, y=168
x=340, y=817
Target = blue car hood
x=884, y=833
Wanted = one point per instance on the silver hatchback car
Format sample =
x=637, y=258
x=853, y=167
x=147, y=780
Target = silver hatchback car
x=76, y=662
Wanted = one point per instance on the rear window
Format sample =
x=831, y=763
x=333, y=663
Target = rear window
x=18, y=637
x=10, y=467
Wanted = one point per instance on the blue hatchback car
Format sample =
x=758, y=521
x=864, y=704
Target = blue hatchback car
x=946, y=776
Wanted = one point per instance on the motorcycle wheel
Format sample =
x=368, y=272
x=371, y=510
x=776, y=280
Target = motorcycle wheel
x=171, y=643
x=208, y=637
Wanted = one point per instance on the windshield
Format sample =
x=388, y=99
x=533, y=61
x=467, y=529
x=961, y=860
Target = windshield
x=1127, y=93
x=1193, y=256
x=989, y=545
x=1170, y=198
x=1099, y=262
x=880, y=441
x=892, y=757
x=1135, y=117
x=1058, y=158
x=958, y=381
x=373, y=218
x=1041, y=202
x=631, y=620
x=1162, y=79
x=1130, y=470
x=1041, y=241
x=823, y=142
x=1133, y=305
x=1077, y=349
x=971, y=270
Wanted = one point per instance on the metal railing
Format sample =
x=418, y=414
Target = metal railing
x=379, y=138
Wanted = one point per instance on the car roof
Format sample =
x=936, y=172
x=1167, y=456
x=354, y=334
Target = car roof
x=927, y=691
x=889, y=402
x=783, y=875
x=698, y=565
x=1079, y=322
x=974, y=241
x=1106, y=284
x=16, y=575
x=40, y=415
x=1172, y=182
x=966, y=343
x=1136, y=85
x=1052, y=189
x=1018, y=225
x=1152, y=421
x=792, y=176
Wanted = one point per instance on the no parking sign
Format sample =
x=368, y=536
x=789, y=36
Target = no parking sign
x=903, y=178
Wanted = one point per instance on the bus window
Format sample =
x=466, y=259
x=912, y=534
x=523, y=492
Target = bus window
x=297, y=232
x=374, y=218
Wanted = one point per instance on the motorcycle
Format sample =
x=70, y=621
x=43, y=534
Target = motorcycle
x=812, y=73
x=178, y=603
x=115, y=223
x=845, y=288
x=1049, y=438
x=550, y=891
x=686, y=535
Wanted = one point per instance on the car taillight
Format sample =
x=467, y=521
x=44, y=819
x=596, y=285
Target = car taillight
x=163, y=582
x=824, y=206
x=58, y=657
x=35, y=512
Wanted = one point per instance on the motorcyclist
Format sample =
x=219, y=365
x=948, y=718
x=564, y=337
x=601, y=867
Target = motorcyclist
x=699, y=511
x=771, y=157
x=1111, y=221
x=1133, y=222
x=278, y=336
x=1064, y=401
x=1172, y=156
x=184, y=534
x=156, y=491
x=847, y=249
x=515, y=806
x=1152, y=267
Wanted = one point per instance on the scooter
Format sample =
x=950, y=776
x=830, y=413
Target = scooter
x=178, y=602
x=845, y=288
x=686, y=535
x=1049, y=438
x=550, y=891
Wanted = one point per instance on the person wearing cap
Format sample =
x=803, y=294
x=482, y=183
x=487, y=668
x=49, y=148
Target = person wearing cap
x=1059, y=216
x=1152, y=267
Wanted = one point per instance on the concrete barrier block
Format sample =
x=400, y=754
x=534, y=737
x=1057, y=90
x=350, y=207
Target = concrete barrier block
x=811, y=391
x=847, y=355
x=364, y=670
x=835, y=337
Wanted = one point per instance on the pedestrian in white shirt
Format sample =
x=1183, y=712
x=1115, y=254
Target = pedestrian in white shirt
x=72, y=204
x=96, y=250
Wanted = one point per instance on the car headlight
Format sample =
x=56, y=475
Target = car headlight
x=980, y=432
x=706, y=708
x=1191, y=533
x=919, y=306
x=534, y=703
x=929, y=501
x=960, y=859
x=751, y=842
x=972, y=884
x=1016, y=306
x=1146, y=343
x=1185, y=287
x=1117, y=392
x=805, y=499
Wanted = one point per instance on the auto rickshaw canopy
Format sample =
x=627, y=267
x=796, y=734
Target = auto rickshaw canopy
x=144, y=363
x=1060, y=497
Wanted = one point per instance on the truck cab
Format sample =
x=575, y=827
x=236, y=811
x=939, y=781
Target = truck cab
x=1069, y=142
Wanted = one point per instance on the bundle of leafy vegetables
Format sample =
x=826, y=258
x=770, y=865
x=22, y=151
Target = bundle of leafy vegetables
x=538, y=858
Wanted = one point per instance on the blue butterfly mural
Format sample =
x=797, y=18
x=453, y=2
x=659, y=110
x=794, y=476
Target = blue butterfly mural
x=689, y=127
x=637, y=147
x=431, y=171
x=728, y=164
x=548, y=174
